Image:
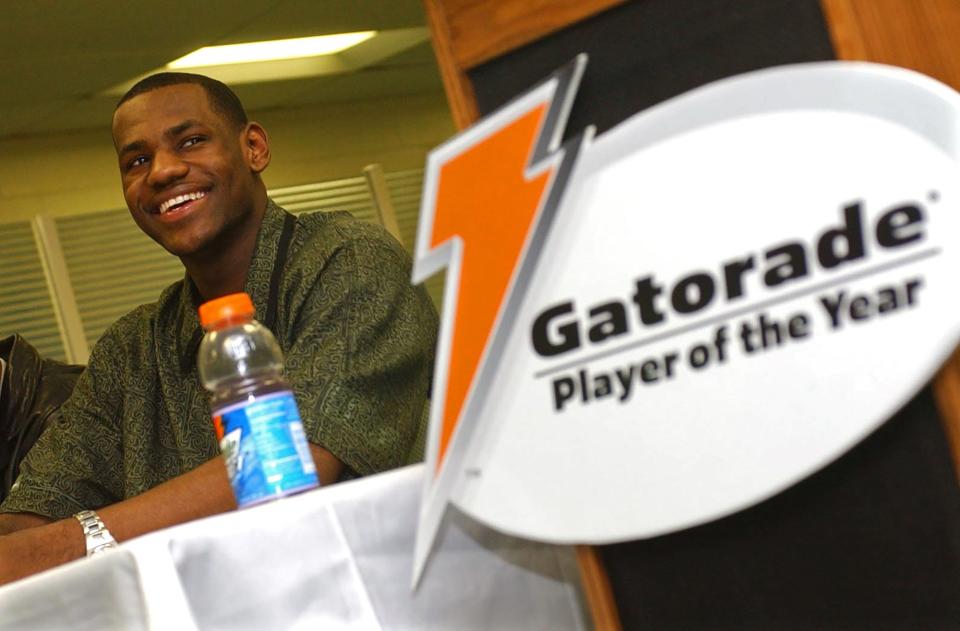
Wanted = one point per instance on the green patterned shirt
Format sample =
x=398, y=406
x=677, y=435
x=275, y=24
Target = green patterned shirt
x=358, y=341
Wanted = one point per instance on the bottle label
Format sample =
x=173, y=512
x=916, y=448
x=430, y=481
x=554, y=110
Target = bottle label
x=264, y=447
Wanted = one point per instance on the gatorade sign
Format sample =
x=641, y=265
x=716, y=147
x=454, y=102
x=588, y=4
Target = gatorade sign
x=673, y=321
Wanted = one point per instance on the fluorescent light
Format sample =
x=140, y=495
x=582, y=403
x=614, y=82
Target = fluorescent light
x=271, y=50
x=386, y=44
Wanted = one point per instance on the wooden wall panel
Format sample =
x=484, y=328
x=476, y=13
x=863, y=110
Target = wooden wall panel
x=596, y=590
x=469, y=32
x=459, y=90
x=921, y=35
x=482, y=30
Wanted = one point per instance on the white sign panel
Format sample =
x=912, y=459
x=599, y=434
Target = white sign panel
x=728, y=292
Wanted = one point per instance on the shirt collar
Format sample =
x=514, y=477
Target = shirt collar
x=257, y=285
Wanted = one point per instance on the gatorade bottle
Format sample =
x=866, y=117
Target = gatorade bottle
x=254, y=412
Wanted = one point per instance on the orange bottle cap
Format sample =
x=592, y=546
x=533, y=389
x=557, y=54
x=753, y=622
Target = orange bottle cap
x=229, y=306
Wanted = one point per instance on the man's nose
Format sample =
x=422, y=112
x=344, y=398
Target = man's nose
x=166, y=167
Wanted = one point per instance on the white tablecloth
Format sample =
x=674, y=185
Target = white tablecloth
x=337, y=557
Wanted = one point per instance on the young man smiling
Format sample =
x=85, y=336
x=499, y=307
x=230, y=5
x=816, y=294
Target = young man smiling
x=173, y=144
x=134, y=442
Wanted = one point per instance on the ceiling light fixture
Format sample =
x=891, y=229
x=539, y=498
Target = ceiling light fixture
x=339, y=54
x=270, y=50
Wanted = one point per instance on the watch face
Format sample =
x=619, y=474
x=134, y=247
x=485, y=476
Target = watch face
x=103, y=547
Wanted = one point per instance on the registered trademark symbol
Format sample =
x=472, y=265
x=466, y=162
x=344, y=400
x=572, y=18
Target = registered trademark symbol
x=933, y=196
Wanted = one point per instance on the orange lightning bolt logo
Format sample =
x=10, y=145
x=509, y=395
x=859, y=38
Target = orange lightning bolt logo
x=490, y=195
x=493, y=217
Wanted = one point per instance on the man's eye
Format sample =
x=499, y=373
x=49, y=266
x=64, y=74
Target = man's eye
x=137, y=162
x=192, y=140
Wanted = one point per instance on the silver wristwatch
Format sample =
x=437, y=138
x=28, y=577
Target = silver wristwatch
x=98, y=537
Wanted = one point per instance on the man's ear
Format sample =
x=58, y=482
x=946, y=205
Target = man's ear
x=256, y=146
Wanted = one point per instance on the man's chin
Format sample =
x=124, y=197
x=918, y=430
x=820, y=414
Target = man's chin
x=182, y=247
x=184, y=240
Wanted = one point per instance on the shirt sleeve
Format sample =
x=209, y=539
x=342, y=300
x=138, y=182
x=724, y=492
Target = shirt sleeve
x=73, y=465
x=361, y=350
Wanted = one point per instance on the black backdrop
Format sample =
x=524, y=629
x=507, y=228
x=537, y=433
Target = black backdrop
x=870, y=542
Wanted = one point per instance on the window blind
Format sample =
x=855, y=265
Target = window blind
x=113, y=267
x=25, y=303
x=350, y=194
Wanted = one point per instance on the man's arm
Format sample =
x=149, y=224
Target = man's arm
x=375, y=334
x=12, y=522
x=31, y=544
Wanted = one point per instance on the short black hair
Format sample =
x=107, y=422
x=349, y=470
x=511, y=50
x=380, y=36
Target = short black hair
x=222, y=98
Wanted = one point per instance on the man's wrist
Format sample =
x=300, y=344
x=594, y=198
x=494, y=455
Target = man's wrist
x=98, y=538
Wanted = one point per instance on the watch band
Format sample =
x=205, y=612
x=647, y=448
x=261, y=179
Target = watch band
x=98, y=537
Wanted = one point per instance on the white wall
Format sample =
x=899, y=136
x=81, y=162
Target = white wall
x=77, y=172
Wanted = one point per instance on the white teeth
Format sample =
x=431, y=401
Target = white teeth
x=179, y=199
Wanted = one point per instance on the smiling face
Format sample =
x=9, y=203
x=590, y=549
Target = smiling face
x=190, y=177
